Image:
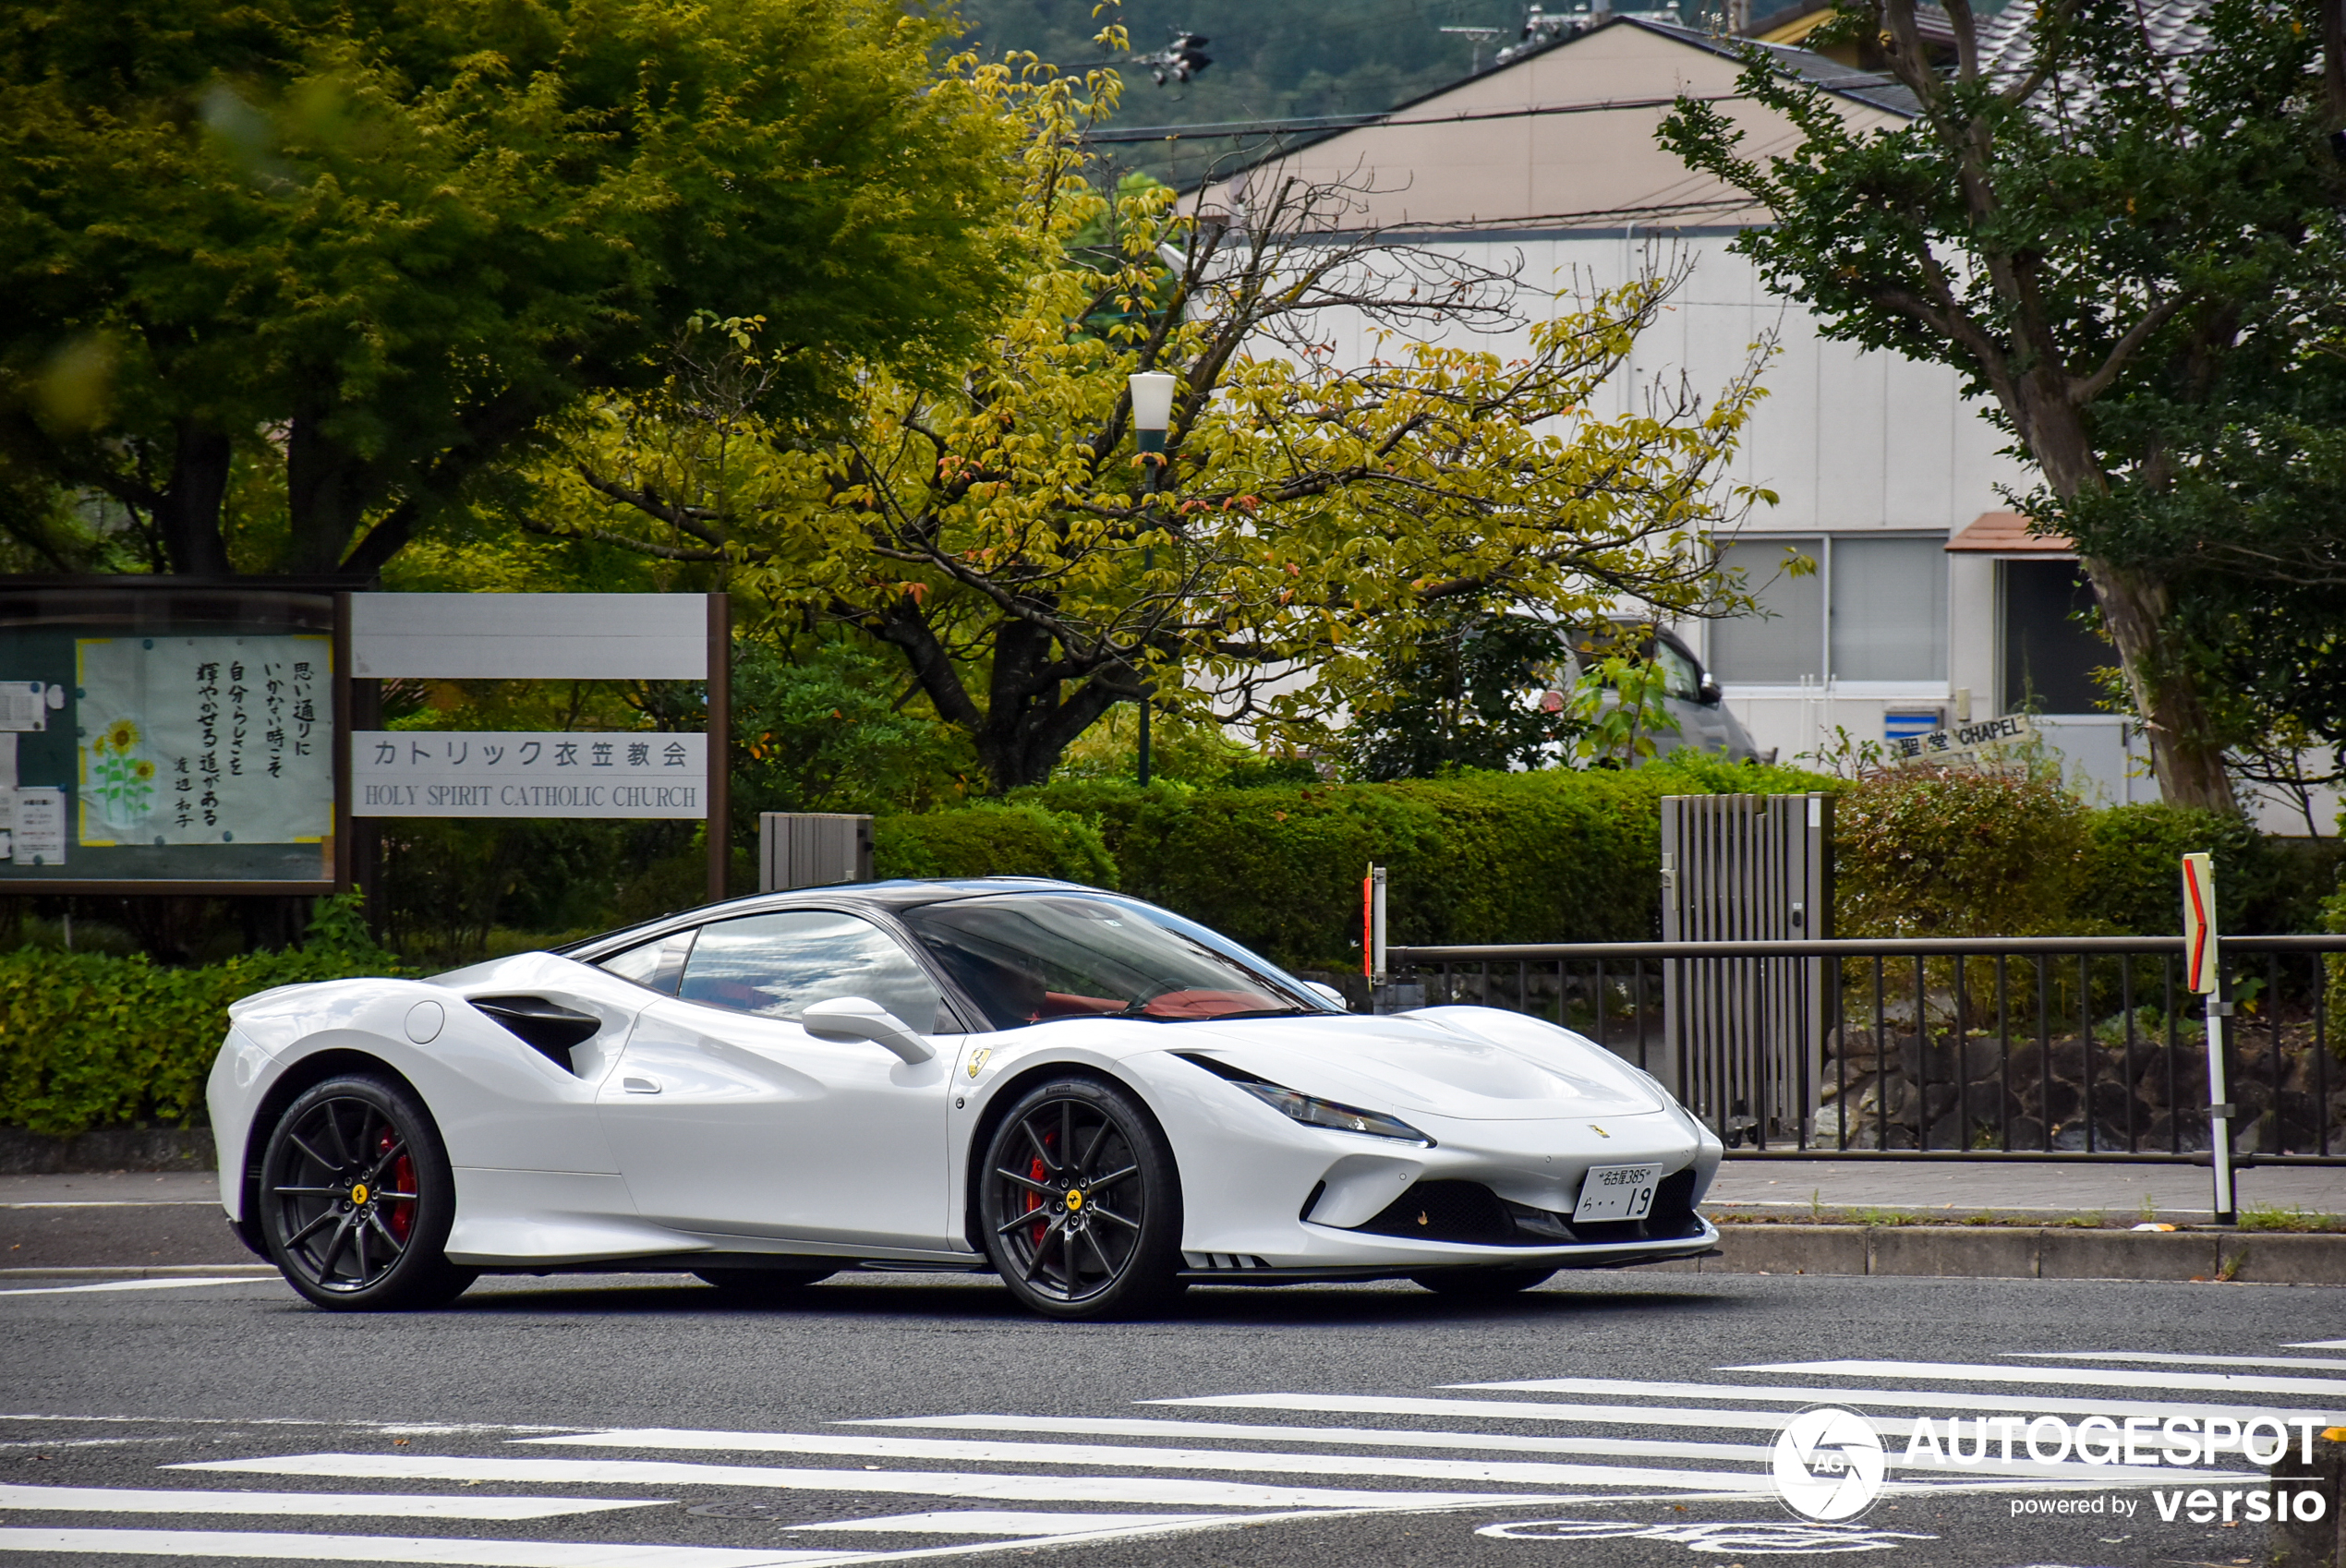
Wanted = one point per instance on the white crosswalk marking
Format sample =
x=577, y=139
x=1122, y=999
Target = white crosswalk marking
x=925, y=1483
x=1563, y=1410
x=1483, y=1472
x=1037, y=1481
x=1371, y=1437
x=2304, y=1363
x=2079, y=1377
x=126, y=1500
x=126, y=1284
x=401, y=1549
x=1001, y=1522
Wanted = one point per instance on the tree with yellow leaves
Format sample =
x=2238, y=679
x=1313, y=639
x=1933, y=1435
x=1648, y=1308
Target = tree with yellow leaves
x=995, y=522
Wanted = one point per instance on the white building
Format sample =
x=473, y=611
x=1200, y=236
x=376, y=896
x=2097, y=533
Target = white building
x=1931, y=603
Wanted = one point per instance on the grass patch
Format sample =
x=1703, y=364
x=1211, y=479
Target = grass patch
x=2276, y=1218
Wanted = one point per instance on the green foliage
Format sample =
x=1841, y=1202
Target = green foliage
x=2128, y=250
x=992, y=840
x=823, y=728
x=1622, y=702
x=91, y=1039
x=2136, y=854
x=1464, y=695
x=1549, y=856
x=1932, y=852
x=376, y=245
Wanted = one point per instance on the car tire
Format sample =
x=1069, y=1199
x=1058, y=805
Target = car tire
x=1481, y=1284
x=357, y=1198
x=749, y=1287
x=1080, y=1204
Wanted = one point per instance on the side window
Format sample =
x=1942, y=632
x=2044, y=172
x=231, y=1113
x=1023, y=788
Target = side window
x=656, y=964
x=775, y=965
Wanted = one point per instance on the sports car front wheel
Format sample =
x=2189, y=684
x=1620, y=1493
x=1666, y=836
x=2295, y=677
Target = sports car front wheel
x=1081, y=1204
x=356, y=1198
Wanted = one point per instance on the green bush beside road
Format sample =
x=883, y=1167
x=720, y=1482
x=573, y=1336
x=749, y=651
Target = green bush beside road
x=96, y=1040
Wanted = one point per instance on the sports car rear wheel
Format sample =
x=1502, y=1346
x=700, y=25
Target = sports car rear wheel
x=1081, y=1204
x=1480, y=1283
x=357, y=1198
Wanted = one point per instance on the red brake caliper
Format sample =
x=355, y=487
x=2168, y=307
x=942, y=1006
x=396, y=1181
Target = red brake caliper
x=1034, y=1201
x=399, y=1216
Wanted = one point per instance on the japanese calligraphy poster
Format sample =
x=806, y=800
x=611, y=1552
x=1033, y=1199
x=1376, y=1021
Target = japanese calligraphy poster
x=515, y=773
x=205, y=739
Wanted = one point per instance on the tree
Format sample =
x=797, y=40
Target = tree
x=1309, y=523
x=1468, y=695
x=2109, y=240
x=370, y=248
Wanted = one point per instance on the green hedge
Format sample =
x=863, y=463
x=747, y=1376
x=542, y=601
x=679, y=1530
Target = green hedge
x=1018, y=839
x=93, y=1040
x=1479, y=857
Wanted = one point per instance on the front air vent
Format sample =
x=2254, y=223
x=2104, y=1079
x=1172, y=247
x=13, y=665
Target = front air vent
x=547, y=1027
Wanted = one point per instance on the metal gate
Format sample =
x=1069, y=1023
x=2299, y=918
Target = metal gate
x=1746, y=1034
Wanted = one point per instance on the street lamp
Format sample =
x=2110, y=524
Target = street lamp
x=1151, y=415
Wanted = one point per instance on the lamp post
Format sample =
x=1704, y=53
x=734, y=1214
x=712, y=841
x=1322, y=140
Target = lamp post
x=1151, y=415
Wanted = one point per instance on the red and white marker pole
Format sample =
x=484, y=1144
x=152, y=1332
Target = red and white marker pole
x=2204, y=973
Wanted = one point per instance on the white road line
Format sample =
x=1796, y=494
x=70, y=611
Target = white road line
x=1478, y=1472
x=1370, y=1437
x=115, y=1500
x=2299, y=1365
x=2317, y=1345
x=1562, y=1411
x=2081, y=1376
x=1144, y=1490
x=1002, y=1522
x=132, y=1284
x=118, y=1203
x=400, y=1549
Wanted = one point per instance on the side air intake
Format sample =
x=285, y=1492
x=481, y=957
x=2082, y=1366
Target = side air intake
x=547, y=1027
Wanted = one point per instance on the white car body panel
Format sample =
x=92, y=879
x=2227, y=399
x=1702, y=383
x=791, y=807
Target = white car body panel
x=754, y=1137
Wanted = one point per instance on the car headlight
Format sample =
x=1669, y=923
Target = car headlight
x=1311, y=1110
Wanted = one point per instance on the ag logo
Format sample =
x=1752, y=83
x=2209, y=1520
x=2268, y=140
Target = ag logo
x=1828, y=1464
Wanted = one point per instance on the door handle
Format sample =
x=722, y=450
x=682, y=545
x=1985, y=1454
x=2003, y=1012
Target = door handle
x=636, y=1085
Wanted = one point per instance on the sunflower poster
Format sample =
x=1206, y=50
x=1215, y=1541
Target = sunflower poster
x=204, y=740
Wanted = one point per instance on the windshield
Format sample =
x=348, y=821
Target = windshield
x=1031, y=958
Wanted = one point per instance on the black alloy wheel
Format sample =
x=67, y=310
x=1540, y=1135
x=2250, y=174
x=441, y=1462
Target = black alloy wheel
x=750, y=1287
x=1480, y=1283
x=357, y=1198
x=1081, y=1204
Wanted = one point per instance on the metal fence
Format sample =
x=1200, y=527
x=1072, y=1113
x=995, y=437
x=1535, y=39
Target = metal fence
x=2077, y=1046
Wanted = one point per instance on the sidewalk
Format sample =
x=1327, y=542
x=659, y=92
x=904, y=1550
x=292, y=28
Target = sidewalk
x=2184, y=1194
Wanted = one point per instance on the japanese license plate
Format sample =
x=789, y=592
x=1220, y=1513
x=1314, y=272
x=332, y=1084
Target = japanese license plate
x=1616, y=1192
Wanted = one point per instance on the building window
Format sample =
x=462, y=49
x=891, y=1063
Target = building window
x=1874, y=610
x=2049, y=657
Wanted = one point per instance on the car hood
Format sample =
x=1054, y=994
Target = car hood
x=1473, y=1064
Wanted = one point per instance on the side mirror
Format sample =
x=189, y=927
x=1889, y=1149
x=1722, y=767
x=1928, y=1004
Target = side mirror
x=860, y=1018
x=1330, y=992
x=1708, y=693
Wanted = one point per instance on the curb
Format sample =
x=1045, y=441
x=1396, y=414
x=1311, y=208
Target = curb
x=146, y=1271
x=107, y=1149
x=2023, y=1252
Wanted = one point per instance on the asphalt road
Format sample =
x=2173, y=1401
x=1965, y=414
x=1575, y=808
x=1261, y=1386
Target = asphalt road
x=541, y=1421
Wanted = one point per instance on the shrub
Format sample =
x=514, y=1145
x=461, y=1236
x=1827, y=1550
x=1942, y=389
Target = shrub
x=1014, y=839
x=1933, y=852
x=91, y=1039
x=1551, y=856
x=2137, y=853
